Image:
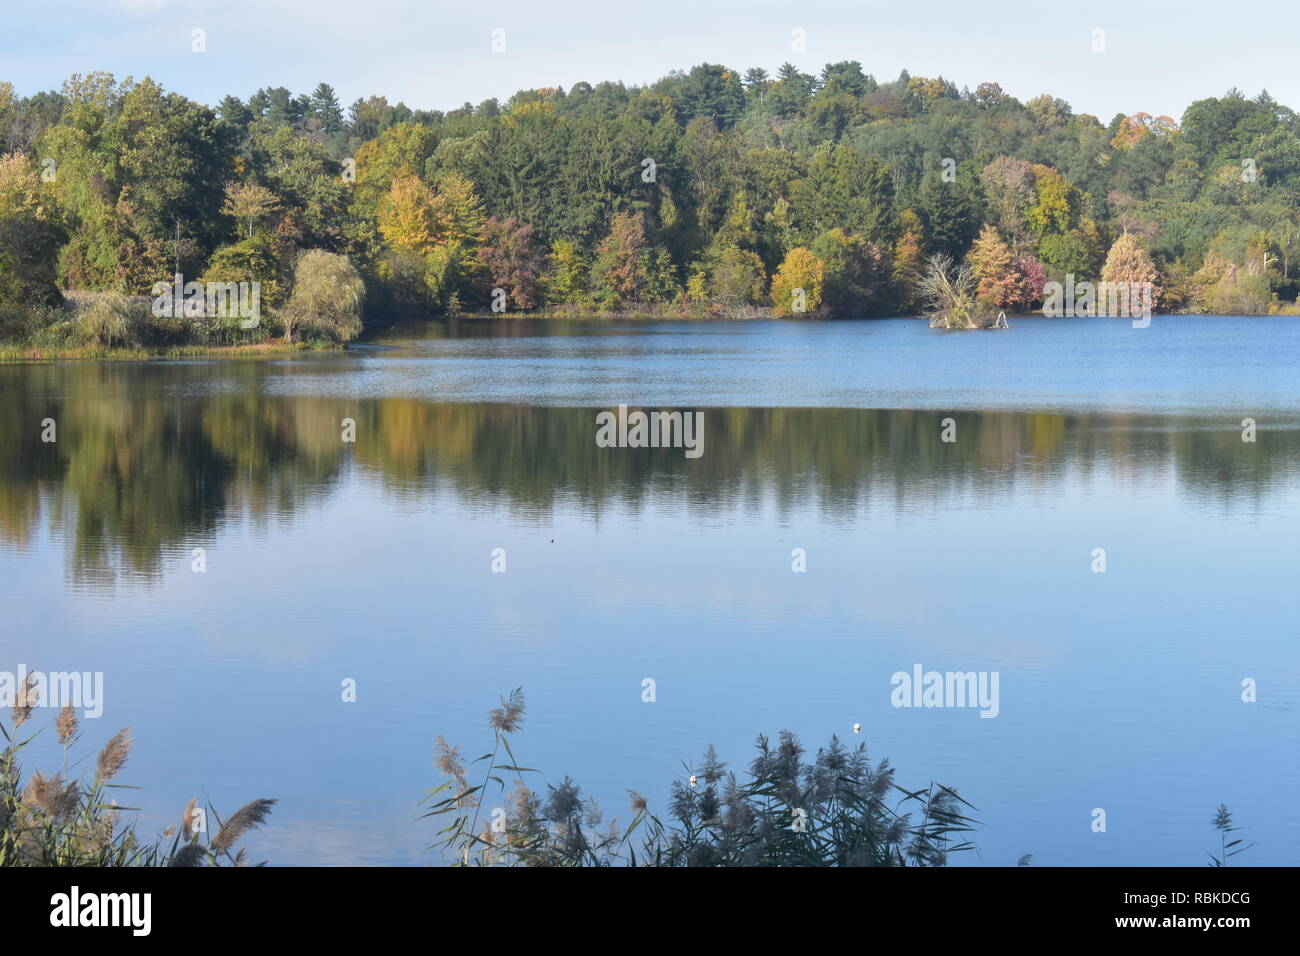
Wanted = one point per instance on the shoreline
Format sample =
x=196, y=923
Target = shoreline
x=20, y=354
x=671, y=315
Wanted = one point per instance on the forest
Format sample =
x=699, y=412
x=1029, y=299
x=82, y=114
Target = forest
x=711, y=192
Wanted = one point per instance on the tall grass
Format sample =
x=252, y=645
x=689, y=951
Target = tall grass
x=111, y=320
x=113, y=325
x=68, y=820
x=1222, y=823
x=835, y=809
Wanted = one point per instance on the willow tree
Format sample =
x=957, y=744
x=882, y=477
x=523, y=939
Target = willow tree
x=327, y=299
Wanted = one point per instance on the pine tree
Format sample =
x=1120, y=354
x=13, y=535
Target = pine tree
x=325, y=108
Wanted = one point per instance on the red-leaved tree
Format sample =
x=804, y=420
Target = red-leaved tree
x=511, y=259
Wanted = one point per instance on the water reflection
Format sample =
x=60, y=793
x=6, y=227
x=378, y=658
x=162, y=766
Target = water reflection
x=146, y=461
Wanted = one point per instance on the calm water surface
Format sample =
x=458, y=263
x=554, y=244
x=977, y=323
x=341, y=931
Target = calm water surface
x=371, y=561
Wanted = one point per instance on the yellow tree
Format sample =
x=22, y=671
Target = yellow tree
x=1059, y=204
x=401, y=151
x=458, y=212
x=566, y=280
x=409, y=217
x=1128, y=262
x=994, y=268
x=908, y=256
x=797, y=285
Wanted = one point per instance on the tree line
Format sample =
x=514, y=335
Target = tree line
x=710, y=191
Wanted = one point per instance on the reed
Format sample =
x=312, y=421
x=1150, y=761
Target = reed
x=1222, y=823
x=836, y=808
x=833, y=808
x=62, y=820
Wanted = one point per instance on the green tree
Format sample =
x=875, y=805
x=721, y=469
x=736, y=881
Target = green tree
x=249, y=204
x=950, y=213
x=325, y=108
x=253, y=260
x=730, y=277
x=843, y=189
x=30, y=235
x=713, y=92
x=792, y=90
x=856, y=274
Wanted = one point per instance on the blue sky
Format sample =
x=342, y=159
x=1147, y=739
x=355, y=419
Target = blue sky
x=1159, y=54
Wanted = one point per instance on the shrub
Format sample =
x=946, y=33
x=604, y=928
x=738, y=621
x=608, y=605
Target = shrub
x=447, y=271
x=28, y=324
x=729, y=278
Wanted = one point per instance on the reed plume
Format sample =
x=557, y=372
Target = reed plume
x=113, y=756
x=66, y=725
x=53, y=796
x=248, y=817
x=52, y=820
x=191, y=854
x=509, y=717
x=27, y=698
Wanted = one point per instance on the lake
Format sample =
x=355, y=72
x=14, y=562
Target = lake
x=371, y=560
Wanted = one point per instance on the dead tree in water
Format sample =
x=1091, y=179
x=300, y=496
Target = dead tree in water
x=950, y=296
